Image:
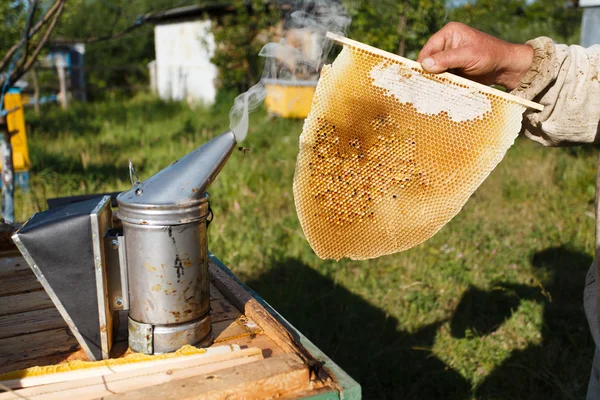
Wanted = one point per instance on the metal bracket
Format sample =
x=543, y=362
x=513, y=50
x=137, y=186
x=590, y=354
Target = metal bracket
x=141, y=337
x=116, y=270
x=101, y=221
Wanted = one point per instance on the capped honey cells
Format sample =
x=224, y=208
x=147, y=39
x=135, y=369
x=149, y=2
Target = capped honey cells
x=389, y=153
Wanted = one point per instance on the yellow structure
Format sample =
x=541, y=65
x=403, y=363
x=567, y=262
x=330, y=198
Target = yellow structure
x=289, y=99
x=16, y=121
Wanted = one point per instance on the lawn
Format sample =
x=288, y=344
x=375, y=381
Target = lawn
x=489, y=308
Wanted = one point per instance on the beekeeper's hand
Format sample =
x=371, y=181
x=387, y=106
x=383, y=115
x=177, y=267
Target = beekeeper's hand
x=476, y=55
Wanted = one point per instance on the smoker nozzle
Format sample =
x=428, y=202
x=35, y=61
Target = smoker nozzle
x=185, y=180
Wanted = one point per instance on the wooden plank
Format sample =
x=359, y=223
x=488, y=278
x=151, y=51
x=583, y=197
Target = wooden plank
x=56, y=358
x=223, y=310
x=18, y=282
x=270, y=378
x=244, y=301
x=241, y=327
x=226, y=330
x=242, y=338
x=38, y=349
x=12, y=263
x=262, y=341
x=212, y=355
x=139, y=379
x=215, y=294
x=30, y=322
x=19, y=303
x=42, y=348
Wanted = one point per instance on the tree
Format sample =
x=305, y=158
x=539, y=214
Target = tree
x=519, y=20
x=400, y=27
x=36, y=24
x=118, y=43
x=240, y=35
x=36, y=27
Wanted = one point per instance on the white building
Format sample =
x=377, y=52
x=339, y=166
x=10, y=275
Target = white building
x=184, y=46
x=590, y=27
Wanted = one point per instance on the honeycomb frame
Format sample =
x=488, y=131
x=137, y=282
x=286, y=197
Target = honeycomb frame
x=390, y=153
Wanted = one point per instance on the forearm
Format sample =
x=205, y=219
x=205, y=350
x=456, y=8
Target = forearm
x=566, y=81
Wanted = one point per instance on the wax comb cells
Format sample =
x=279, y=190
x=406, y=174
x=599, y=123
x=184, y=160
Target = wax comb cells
x=389, y=154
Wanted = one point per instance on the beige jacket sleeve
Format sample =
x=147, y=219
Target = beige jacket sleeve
x=566, y=81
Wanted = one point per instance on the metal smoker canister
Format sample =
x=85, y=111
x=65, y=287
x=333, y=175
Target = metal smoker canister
x=167, y=263
x=165, y=229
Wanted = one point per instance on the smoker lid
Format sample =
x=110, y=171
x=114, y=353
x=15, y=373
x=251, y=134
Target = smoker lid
x=181, y=187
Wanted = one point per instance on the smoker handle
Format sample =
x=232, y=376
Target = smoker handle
x=210, y=216
x=116, y=269
x=123, y=271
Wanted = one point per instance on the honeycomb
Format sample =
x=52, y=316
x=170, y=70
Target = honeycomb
x=389, y=153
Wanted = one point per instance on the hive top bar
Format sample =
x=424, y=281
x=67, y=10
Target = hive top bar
x=446, y=75
x=390, y=153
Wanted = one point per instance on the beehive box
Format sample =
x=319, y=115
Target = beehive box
x=289, y=99
x=272, y=360
x=16, y=122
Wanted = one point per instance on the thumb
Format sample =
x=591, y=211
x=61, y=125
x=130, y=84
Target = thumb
x=458, y=58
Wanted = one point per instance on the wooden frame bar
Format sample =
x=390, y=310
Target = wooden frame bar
x=451, y=77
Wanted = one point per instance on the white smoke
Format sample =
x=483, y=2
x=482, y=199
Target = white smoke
x=299, y=54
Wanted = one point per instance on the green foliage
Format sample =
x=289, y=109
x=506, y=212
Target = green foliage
x=13, y=15
x=12, y=19
x=519, y=20
x=239, y=37
x=378, y=23
x=85, y=19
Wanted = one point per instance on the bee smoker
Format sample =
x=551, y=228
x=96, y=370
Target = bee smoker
x=155, y=266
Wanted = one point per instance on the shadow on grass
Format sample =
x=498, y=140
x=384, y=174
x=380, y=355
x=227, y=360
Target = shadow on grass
x=482, y=312
x=69, y=165
x=368, y=344
x=89, y=118
x=557, y=368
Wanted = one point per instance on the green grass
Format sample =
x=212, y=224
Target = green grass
x=489, y=308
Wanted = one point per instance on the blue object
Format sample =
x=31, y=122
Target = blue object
x=73, y=55
x=21, y=180
x=44, y=99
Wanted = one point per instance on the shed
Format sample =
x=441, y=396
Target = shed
x=590, y=27
x=184, y=46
